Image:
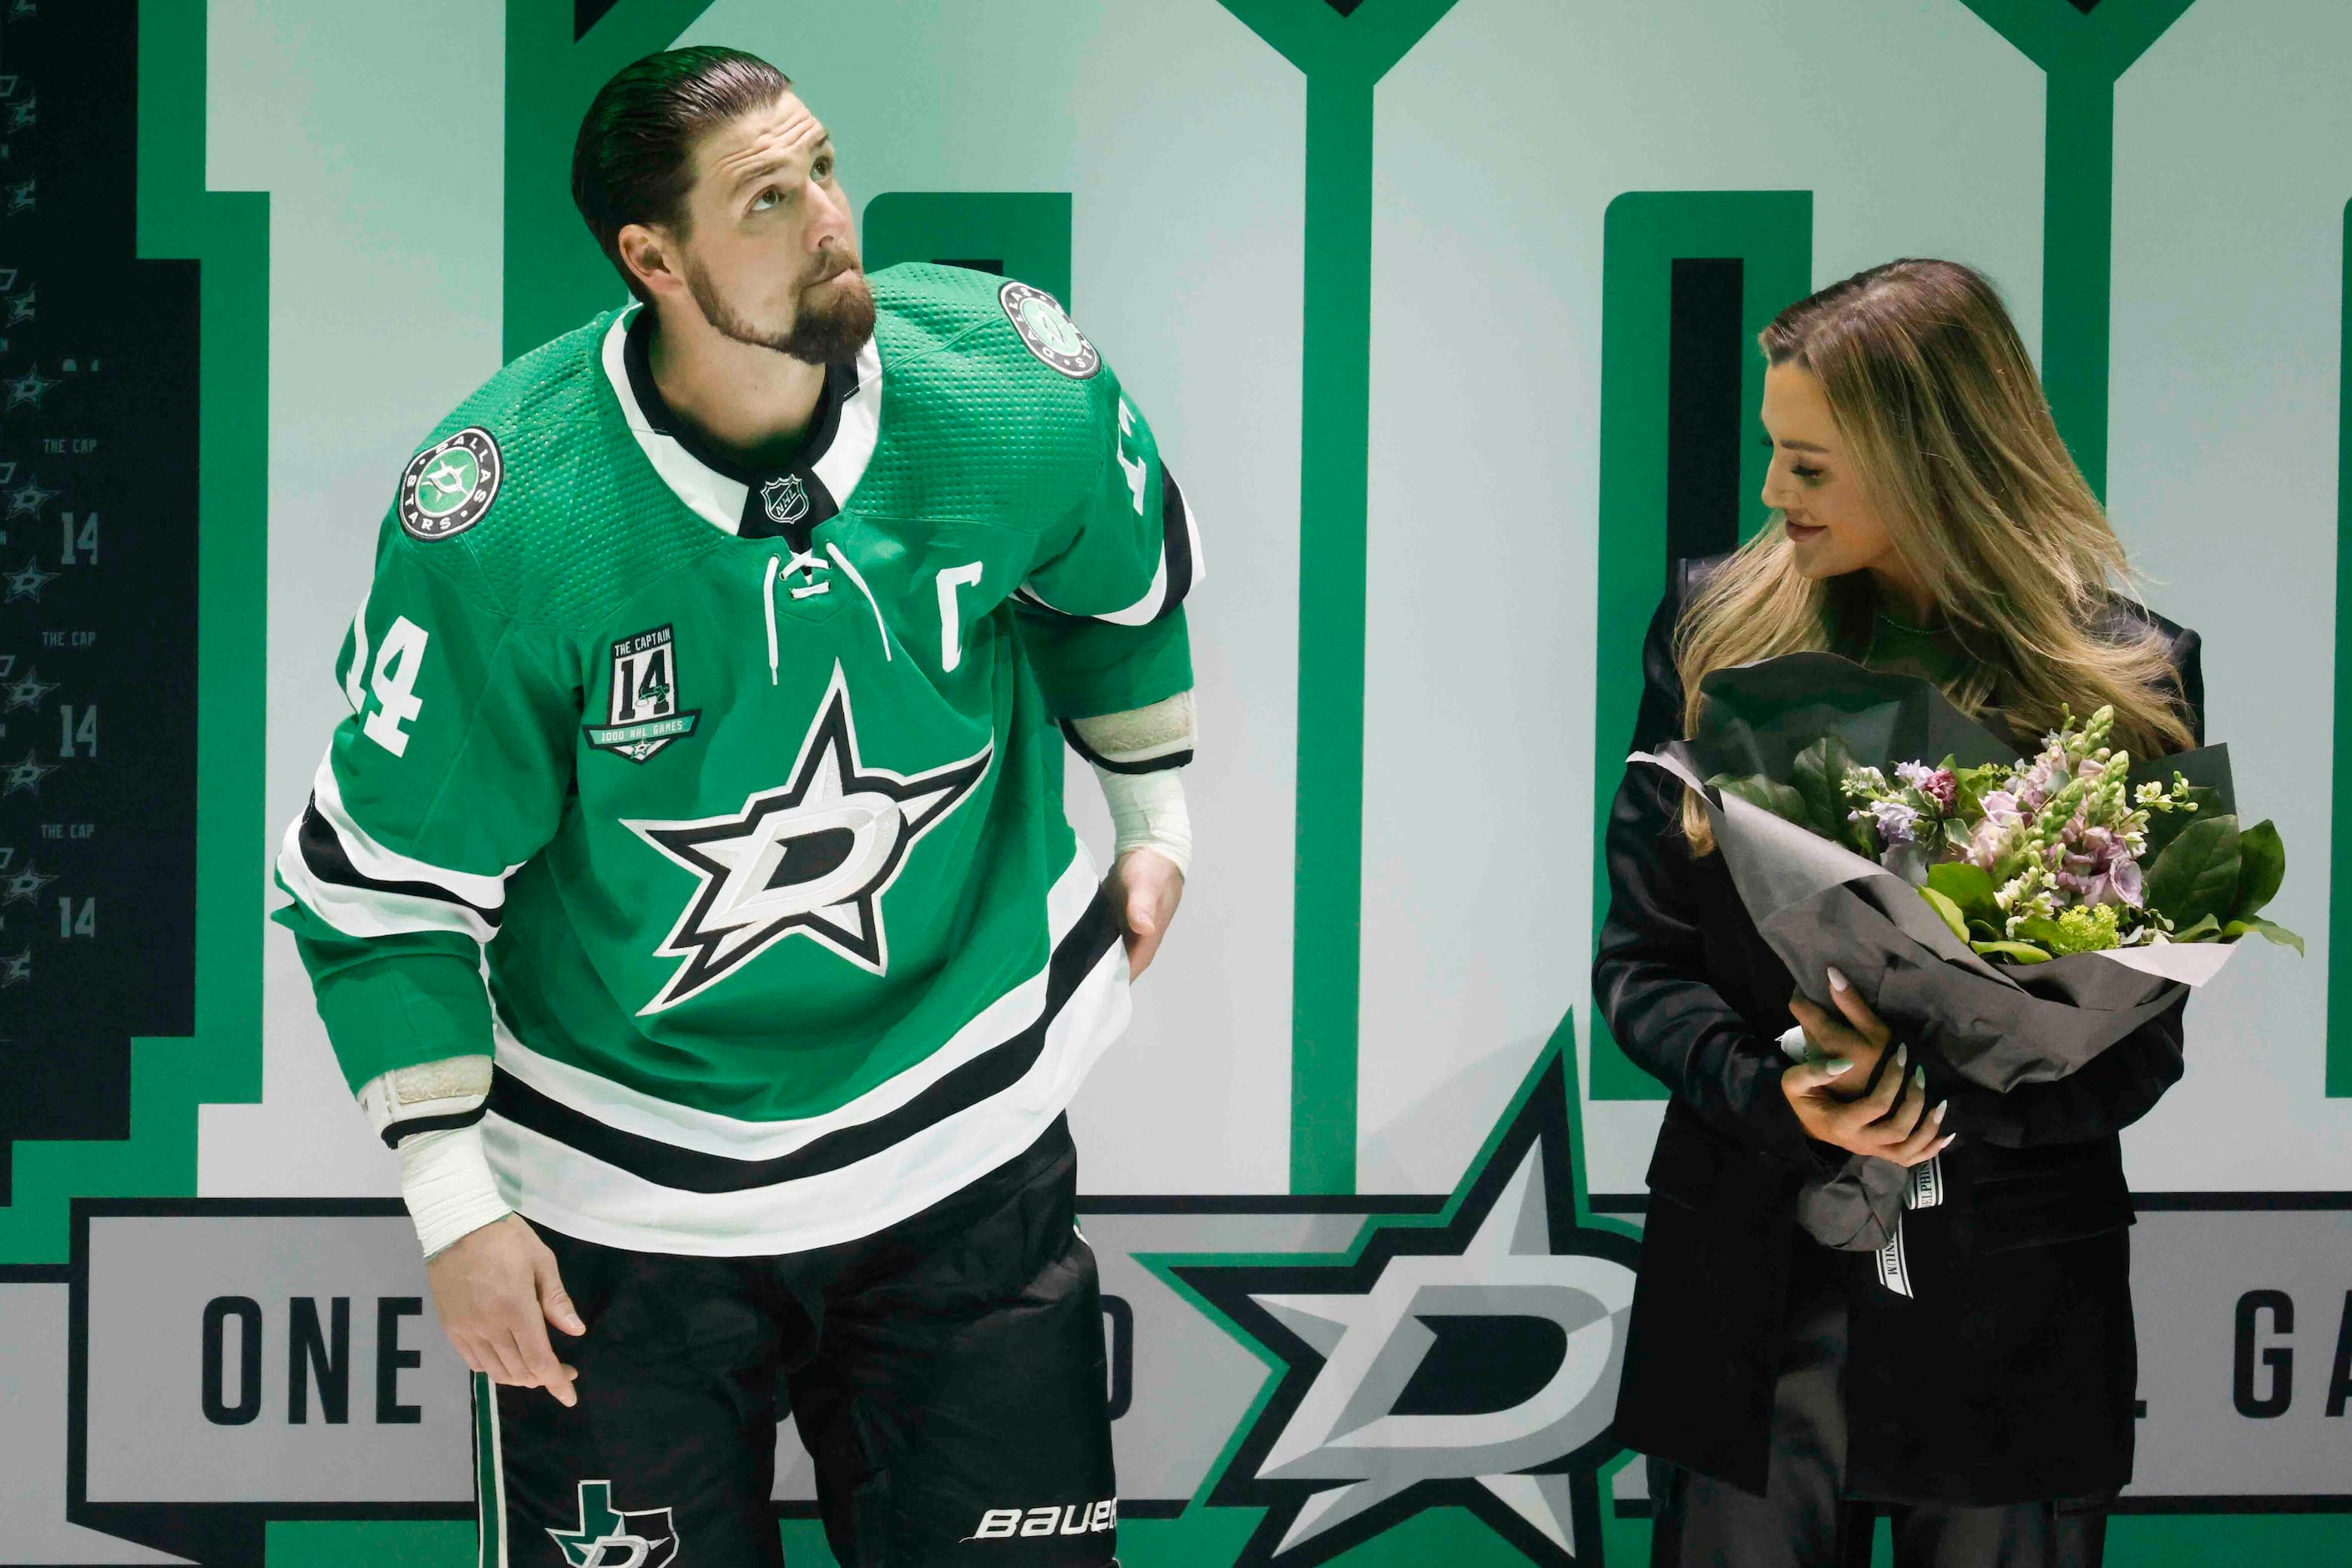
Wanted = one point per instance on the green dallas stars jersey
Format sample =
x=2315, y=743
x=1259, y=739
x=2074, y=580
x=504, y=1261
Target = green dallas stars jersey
x=743, y=790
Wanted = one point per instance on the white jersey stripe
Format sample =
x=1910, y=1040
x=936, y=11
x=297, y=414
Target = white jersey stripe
x=633, y=1110
x=581, y=1196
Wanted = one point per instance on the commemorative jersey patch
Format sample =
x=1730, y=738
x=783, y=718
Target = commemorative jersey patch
x=642, y=713
x=447, y=487
x=1048, y=332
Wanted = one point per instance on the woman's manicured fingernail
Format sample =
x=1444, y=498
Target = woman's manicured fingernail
x=1901, y=1055
x=1919, y=1077
x=1941, y=1107
x=1838, y=981
x=1835, y=1067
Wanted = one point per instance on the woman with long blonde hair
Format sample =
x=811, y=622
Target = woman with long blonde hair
x=1930, y=521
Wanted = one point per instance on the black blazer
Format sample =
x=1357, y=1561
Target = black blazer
x=2010, y=1374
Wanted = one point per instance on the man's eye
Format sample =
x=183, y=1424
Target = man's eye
x=766, y=199
x=824, y=169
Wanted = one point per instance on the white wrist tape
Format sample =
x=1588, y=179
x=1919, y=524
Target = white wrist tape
x=447, y=1183
x=1147, y=812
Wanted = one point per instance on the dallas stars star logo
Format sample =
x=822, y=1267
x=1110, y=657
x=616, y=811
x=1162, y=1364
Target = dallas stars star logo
x=1468, y=1360
x=29, y=498
x=29, y=387
x=25, y=885
x=30, y=692
x=20, y=308
x=16, y=970
x=813, y=856
x=29, y=583
x=27, y=775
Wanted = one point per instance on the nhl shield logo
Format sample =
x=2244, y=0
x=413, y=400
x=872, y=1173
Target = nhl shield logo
x=786, y=501
x=607, y=1538
x=643, y=711
x=1046, y=332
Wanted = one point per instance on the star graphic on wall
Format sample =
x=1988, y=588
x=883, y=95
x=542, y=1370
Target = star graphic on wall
x=25, y=885
x=30, y=497
x=30, y=692
x=28, y=774
x=22, y=198
x=1467, y=1361
x=20, y=308
x=813, y=856
x=17, y=970
x=29, y=583
x=29, y=387
x=20, y=115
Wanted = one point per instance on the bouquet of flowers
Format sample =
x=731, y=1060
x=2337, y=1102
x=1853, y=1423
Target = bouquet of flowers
x=2029, y=862
x=2017, y=916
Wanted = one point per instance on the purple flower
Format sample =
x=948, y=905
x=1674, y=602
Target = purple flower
x=1935, y=784
x=1897, y=823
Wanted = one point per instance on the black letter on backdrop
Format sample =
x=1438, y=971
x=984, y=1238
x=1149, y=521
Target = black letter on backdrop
x=248, y=1313
x=390, y=1359
x=2339, y=1381
x=1118, y=1323
x=2279, y=1359
x=329, y=1355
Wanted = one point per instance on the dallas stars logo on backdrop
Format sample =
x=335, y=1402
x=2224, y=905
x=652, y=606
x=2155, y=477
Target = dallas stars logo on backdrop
x=813, y=856
x=1471, y=1360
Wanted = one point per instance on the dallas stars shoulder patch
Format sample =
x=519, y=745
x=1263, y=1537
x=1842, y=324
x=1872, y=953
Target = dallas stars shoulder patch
x=643, y=714
x=447, y=487
x=812, y=856
x=1046, y=332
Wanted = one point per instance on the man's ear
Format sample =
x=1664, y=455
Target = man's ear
x=646, y=252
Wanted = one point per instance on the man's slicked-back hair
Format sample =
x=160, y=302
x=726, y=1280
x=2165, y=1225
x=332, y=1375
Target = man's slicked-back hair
x=633, y=160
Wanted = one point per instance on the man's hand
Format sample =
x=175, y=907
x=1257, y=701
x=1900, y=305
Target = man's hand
x=1144, y=887
x=497, y=1290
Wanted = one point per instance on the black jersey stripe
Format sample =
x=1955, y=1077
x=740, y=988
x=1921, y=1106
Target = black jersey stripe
x=691, y=1170
x=326, y=858
x=393, y=1132
x=1158, y=764
x=1176, y=544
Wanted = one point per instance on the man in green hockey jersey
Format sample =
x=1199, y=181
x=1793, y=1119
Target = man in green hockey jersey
x=688, y=895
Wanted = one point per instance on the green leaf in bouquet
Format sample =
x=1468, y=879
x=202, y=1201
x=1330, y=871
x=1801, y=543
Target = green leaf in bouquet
x=2205, y=927
x=2016, y=952
x=1818, y=776
x=1778, y=798
x=2197, y=874
x=1947, y=911
x=2268, y=928
x=2040, y=929
x=1969, y=886
x=2163, y=826
x=2262, y=868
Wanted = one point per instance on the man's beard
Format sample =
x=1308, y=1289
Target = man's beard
x=826, y=334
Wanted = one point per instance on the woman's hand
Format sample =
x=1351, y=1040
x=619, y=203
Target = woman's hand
x=1858, y=1036
x=1891, y=1120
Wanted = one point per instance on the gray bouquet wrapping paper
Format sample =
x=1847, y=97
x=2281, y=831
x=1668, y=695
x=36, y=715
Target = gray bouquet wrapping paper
x=1818, y=903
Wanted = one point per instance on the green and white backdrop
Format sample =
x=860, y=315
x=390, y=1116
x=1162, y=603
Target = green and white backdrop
x=1443, y=308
